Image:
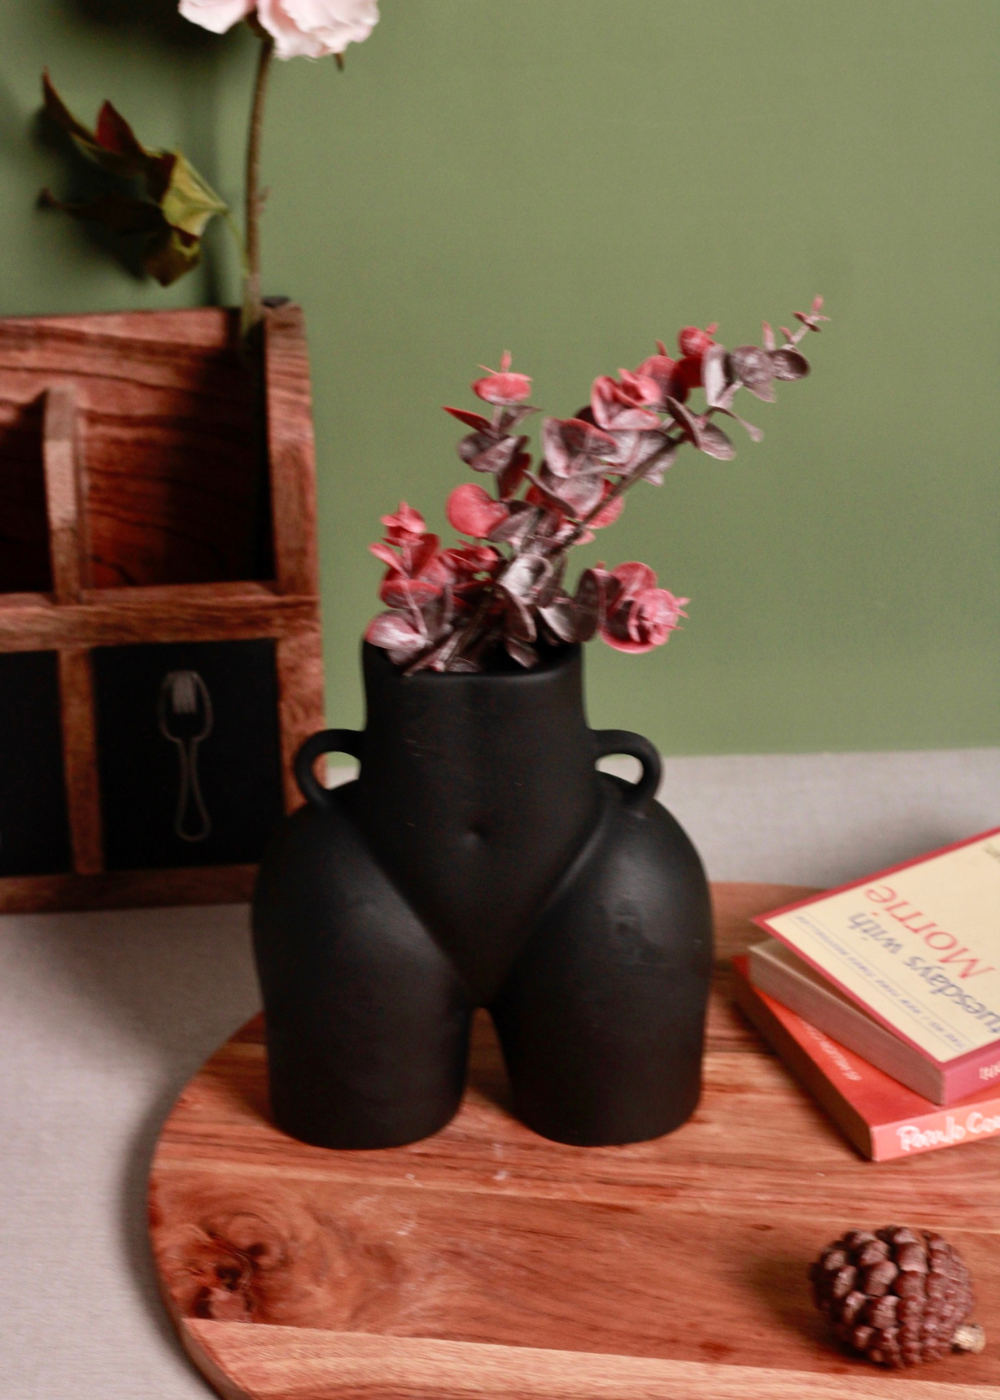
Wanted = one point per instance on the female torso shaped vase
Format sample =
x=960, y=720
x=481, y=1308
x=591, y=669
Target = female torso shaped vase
x=480, y=859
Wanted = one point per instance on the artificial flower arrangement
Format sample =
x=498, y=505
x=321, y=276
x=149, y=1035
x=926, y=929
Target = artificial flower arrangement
x=158, y=195
x=502, y=592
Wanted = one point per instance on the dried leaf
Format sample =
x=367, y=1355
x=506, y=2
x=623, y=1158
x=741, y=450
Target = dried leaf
x=752, y=367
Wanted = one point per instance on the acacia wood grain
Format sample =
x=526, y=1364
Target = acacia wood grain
x=488, y=1261
x=76, y=687
x=291, y=451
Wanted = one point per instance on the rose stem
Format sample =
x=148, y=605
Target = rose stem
x=253, y=308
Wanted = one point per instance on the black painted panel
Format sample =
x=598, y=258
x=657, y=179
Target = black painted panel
x=190, y=760
x=34, y=828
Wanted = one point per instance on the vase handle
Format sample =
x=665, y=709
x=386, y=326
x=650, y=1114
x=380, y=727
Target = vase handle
x=326, y=741
x=611, y=741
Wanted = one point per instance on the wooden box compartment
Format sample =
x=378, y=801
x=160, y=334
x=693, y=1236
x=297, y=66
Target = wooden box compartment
x=189, y=752
x=34, y=823
x=158, y=492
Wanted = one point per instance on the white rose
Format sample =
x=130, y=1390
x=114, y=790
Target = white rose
x=216, y=15
x=312, y=28
x=300, y=28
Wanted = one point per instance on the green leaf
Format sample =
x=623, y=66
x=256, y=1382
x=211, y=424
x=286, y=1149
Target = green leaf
x=177, y=206
x=171, y=255
x=189, y=203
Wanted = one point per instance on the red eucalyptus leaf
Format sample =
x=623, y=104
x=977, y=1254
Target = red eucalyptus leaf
x=523, y=654
x=692, y=341
x=519, y=524
x=396, y=591
x=713, y=441
x=753, y=368
x=404, y=525
x=503, y=388
x=396, y=631
x=471, y=420
x=473, y=446
x=525, y=576
x=573, y=446
x=518, y=620
x=653, y=468
x=643, y=620
x=633, y=578
x=715, y=375
x=608, y=514
x=472, y=511
x=621, y=406
x=512, y=418
x=688, y=421
x=383, y=552
x=499, y=456
x=510, y=479
x=551, y=587
x=418, y=554
x=789, y=363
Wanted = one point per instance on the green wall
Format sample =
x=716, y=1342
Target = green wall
x=571, y=179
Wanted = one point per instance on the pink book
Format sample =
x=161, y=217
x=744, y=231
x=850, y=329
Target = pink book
x=880, y=1116
x=917, y=949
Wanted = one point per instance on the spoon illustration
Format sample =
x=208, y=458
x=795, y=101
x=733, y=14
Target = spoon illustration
x=185, y=715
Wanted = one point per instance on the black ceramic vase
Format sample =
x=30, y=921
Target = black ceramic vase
x=481, y=860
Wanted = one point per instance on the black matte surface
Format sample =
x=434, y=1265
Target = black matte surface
x=34, y=829
x=239, y=764
x=480, y=860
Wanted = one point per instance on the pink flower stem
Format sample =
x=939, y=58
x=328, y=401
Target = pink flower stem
x=253, y=306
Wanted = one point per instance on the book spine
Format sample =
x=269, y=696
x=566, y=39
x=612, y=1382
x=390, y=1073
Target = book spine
x=972, y=1074
x=850, y=1026
x=927, y=1131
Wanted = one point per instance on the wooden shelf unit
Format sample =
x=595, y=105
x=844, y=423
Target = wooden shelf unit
x=152, y=436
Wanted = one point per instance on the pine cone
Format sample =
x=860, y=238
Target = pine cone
x=897, y=1296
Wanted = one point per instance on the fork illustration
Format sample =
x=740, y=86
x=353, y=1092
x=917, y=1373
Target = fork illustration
x=185, y=716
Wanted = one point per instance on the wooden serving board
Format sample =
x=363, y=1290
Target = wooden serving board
x=487, y=1261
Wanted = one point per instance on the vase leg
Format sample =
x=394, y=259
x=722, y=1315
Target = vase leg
x=367, y=1022
x=602, y=1017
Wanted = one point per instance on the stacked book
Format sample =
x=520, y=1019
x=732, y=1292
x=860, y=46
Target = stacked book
x=883, y=996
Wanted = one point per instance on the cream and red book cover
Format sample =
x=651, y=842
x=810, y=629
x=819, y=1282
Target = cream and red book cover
x=879, y=1115
x=918, y=947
